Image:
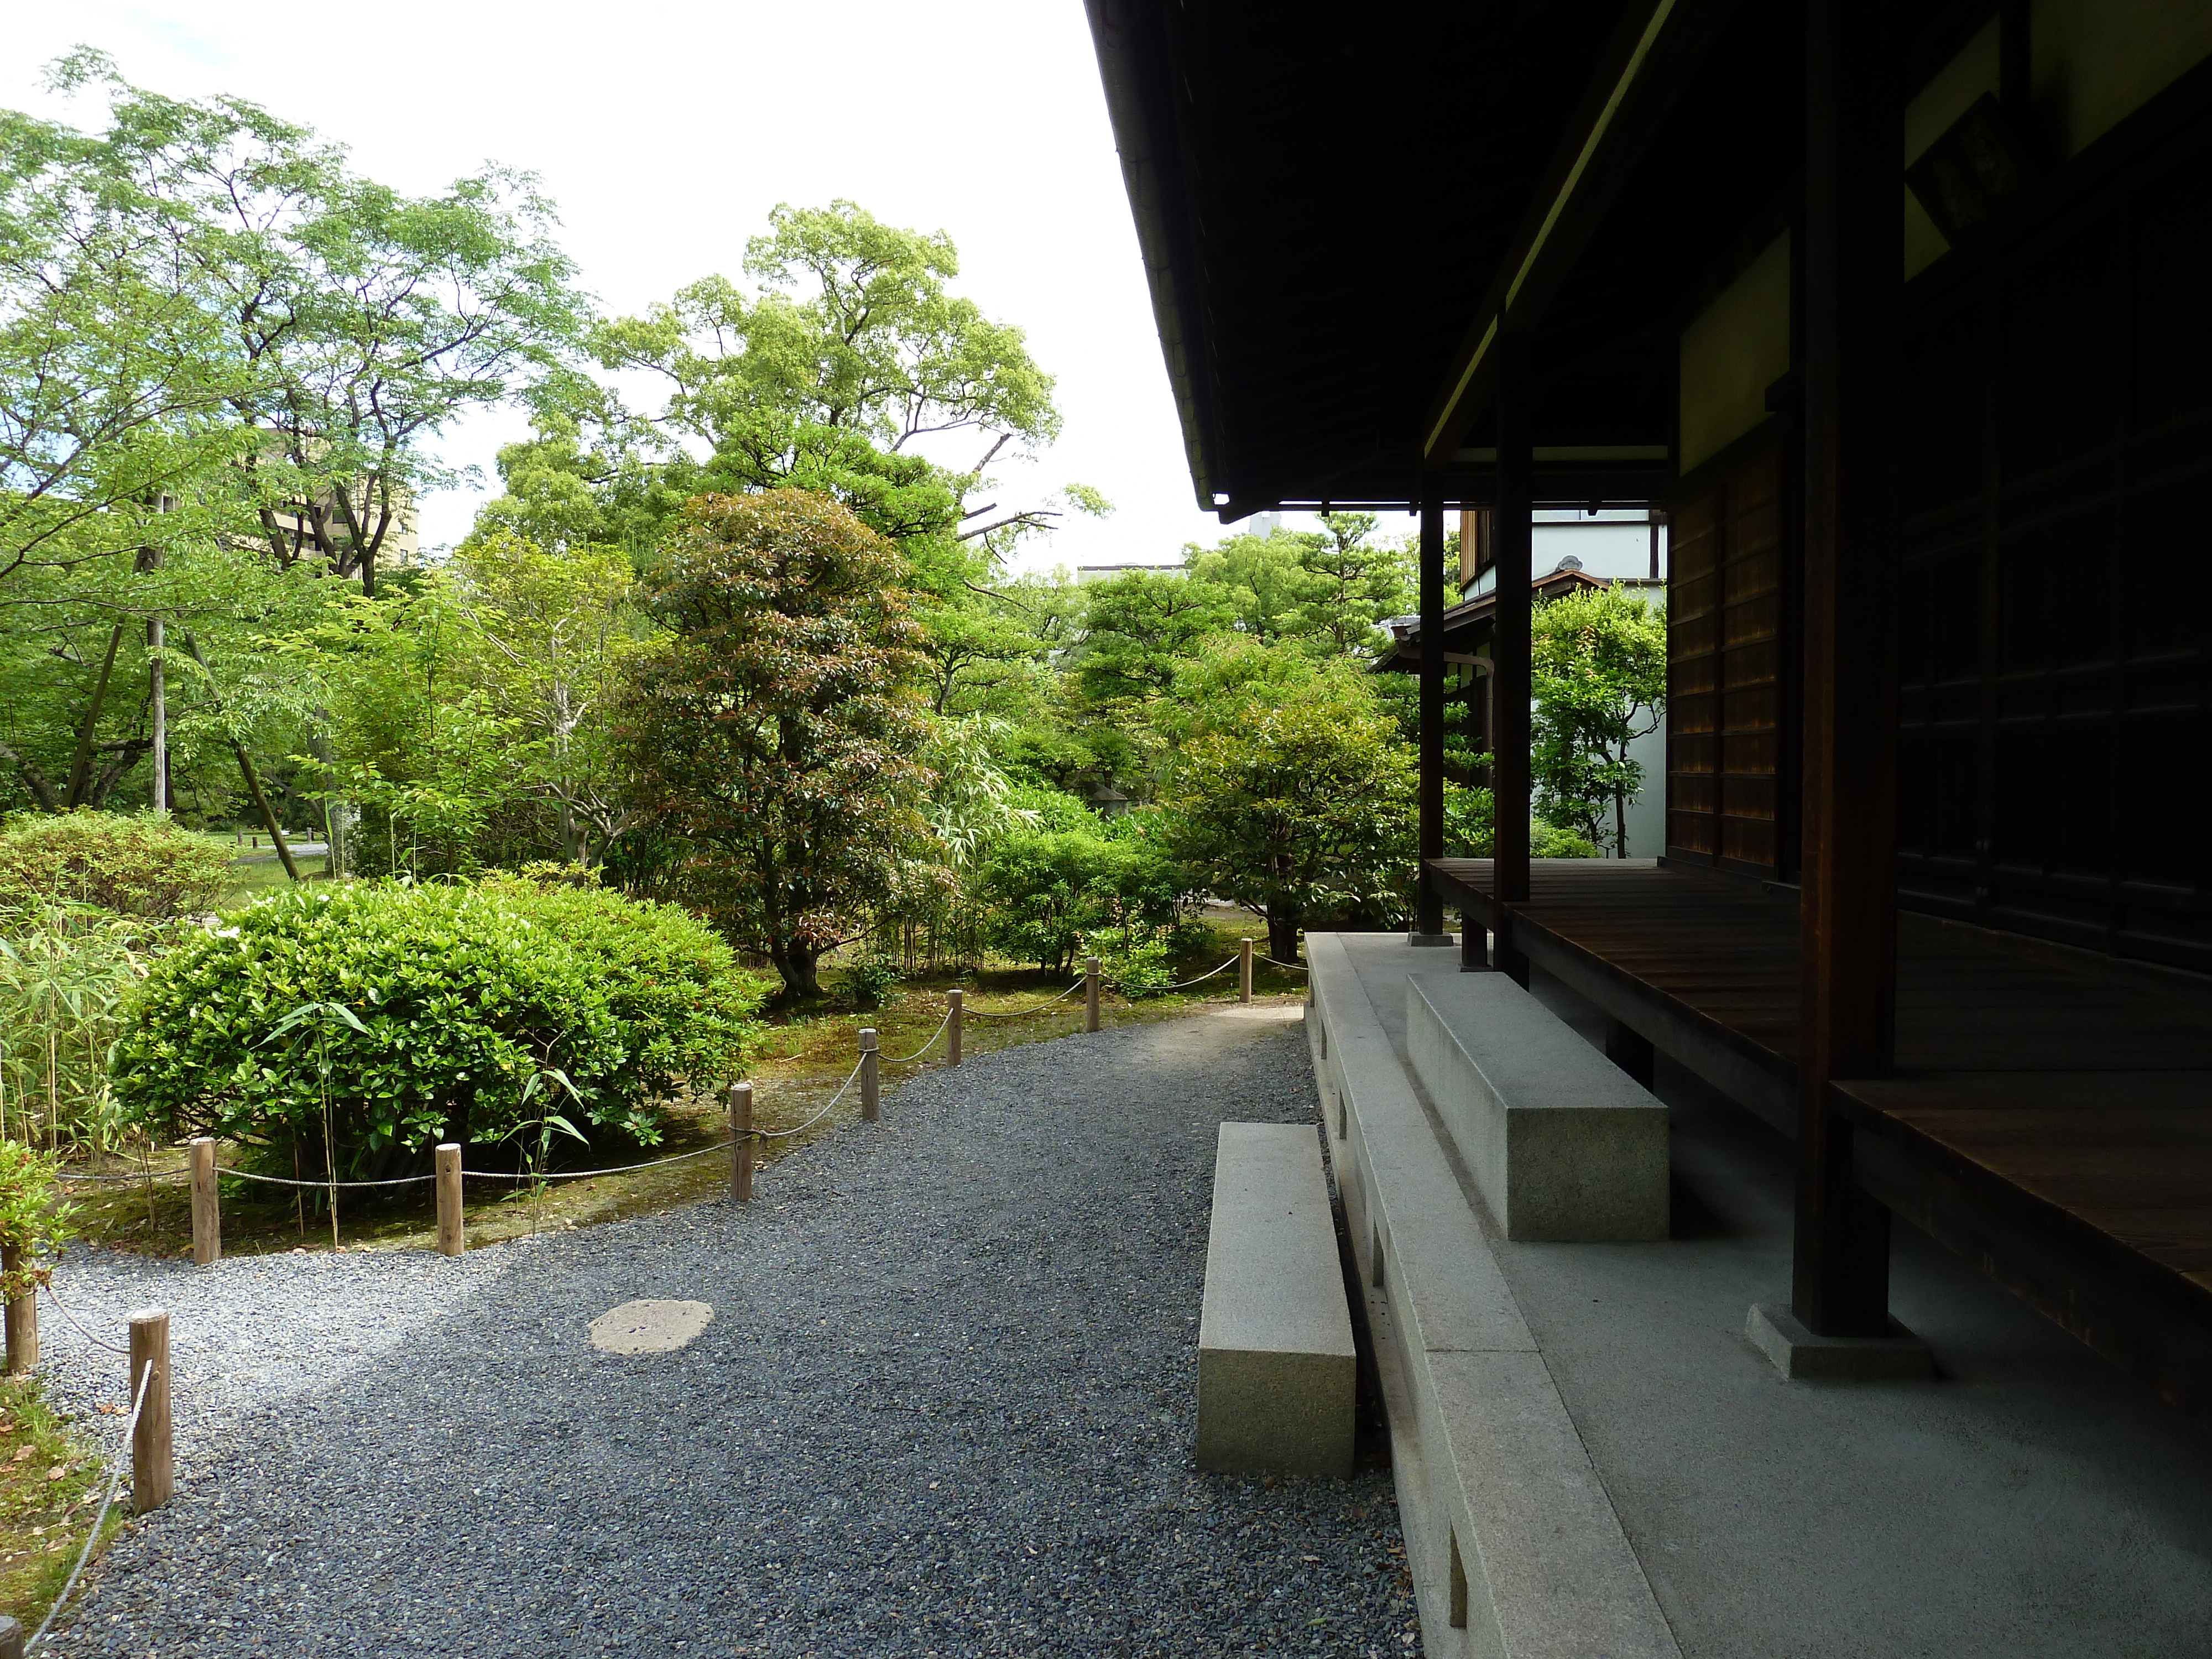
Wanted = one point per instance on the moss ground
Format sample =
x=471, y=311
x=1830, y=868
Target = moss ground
x=50, y=1491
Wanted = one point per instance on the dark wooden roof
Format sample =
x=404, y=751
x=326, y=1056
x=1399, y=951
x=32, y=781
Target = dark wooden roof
x=1467, y=624
x=1326, y=197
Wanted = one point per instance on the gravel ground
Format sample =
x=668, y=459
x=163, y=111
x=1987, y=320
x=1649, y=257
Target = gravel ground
x=944, y=1407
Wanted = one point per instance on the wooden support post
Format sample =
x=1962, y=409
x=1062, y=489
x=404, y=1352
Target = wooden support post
x=953, y=1029
x=450, y=1239
x=1091, y=993
x=1244, y=971
x=1474, y=943
x=1632, y=1052
x=22, y=1317
x=207, y=1207
x=153, y=1469
x=1510, y=536
x=1428, y=904
x=871, y=1095
x=1848, y=909
x=741, y=1143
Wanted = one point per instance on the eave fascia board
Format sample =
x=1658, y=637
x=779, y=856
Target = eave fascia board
x=1163, y=239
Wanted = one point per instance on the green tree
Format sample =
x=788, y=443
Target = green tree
x=549, y=633
x=852, y=328
x=114, y=390
x=1138, y=631
x=1353, y=584
x=1299, y=809
x=773, y=724
x=1599, y=666
x=1263, y=581
x=353, y=322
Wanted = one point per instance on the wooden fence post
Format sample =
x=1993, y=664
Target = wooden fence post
x=1091, y=993
x=741, y=1143
x=952, y=1030
x=207, y=1207
x=871, y=1095
x=450, y=1239
x=153, y=1467
x=1244, y=971
x=22, y=1318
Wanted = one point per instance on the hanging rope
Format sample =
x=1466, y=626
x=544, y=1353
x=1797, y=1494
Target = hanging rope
x=63, y=1310
x=1023, y=1013
x=782, y=1135
x=902, y=1058
x=114, y=1484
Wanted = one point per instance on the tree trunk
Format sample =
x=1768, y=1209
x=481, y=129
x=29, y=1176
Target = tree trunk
x=245, y=770
x=797, y=965
x=80, y=767
x=1283, y=934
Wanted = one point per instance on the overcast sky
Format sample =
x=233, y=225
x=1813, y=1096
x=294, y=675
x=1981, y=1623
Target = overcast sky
x=665, y=132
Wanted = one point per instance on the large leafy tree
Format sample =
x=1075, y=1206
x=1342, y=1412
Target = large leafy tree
x=1599, y=664
x=1295, y=799
x=353, y=322
x=1138, y=631
x=847, y=369
x=773, y=724
x=115, y=387
x=1353, y=582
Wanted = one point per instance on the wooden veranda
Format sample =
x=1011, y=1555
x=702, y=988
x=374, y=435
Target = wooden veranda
x=2050, y=1111
x=1887, y=306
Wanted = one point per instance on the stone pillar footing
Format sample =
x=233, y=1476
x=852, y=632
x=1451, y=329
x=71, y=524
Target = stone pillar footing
x=1802, y=1357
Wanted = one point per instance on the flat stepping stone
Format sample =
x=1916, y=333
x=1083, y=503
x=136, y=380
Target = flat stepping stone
x=649, y=1327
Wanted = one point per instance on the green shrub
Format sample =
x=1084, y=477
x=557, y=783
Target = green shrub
x=1469, y=816
x=684, y=1005
x=135, y=867
x=463, y=994
x=33, y=1217
x=865, y=983
x=1548, y=841
x=1046, y=892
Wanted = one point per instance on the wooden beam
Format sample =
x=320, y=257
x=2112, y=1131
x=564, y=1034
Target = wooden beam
x=1651, y=59
x=1854, y=253
x=1512, y=538
x=1428, y=909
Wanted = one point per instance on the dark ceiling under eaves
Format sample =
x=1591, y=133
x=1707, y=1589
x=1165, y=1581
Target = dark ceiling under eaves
x=1323, y=194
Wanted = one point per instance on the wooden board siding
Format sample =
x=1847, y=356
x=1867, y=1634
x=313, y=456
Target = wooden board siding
x=1726, y=631
x=2057, y=584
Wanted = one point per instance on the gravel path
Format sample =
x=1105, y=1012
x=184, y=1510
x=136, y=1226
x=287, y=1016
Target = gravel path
x=944, y=1407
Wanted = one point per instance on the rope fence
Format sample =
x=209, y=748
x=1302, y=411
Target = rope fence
x=148, y=1431
x=742, y=1143
x=146, y=1374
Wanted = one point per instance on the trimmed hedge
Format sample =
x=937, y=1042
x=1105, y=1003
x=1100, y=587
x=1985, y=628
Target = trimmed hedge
x=141, y=867
x=463, y=994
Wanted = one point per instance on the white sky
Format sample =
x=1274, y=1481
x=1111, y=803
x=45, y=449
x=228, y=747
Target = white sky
x=665, y=132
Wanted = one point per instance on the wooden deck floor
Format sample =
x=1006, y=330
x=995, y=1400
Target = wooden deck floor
x=2051, y=1115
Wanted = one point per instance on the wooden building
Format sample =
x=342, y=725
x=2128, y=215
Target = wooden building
x=1903, y=312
